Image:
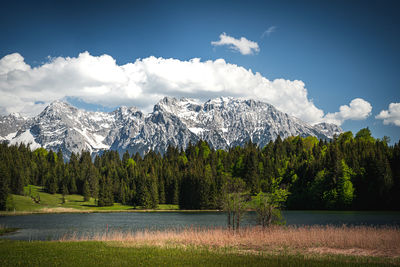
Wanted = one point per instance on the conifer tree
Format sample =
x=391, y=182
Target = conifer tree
x=51, y=182
x=4, y=190
x=86, y=191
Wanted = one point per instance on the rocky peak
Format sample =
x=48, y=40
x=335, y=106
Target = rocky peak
x=329, y=129
x=10, y=124
x=223, y=122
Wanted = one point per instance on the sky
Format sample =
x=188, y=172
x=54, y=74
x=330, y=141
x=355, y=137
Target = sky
x=321, y=61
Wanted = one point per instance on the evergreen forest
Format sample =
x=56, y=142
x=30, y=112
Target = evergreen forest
x=347, y=173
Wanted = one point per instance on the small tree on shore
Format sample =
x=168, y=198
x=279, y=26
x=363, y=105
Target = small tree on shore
x=268, y=205
x=234, y=201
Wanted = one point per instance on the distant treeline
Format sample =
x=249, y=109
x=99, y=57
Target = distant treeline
x=349, y=172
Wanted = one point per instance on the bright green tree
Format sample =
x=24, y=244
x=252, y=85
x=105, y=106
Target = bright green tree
x=268, y=207
x=345, y=186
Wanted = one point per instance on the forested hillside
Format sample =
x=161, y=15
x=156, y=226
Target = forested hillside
x=350, y=172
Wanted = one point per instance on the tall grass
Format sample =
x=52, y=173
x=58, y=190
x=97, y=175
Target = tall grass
x=379, y=241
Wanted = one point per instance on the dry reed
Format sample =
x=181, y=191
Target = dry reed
x=361, y=240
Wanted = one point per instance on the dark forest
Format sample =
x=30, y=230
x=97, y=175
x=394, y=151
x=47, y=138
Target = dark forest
x=347, y=173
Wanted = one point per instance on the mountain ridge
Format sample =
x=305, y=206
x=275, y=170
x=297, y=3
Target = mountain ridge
x=223, y=122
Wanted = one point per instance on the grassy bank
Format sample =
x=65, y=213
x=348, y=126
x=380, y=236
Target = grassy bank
x=53, y=203
x=92, y=253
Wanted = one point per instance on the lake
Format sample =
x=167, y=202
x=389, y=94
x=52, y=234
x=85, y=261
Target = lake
x=54, y=226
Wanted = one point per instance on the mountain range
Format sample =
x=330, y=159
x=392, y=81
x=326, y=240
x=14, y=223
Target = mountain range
x=222, y=122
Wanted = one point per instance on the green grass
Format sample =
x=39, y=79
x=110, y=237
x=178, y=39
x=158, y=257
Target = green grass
x=168, y=207
x=39, y=253
x=76, y=202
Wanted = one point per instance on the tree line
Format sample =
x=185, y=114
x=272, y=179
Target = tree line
x=349, y=172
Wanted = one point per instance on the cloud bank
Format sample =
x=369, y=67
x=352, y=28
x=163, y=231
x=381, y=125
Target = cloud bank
x=390, y=116
x=358, y=109
x=100, y=80
x=244, y=46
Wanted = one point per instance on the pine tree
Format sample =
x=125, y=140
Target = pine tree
x=86, y=191
x=125, y=158
x=93, y=180
x=73, y=167
x=251, y=174
x=153, y=191
x=51, y=182
x=123, y=193
x=64, y=191
x=4, y=190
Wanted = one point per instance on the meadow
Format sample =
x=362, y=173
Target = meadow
x=53, y=203
x=276, y=246
x=14, y=253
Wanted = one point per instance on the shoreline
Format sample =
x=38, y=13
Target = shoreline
x=72, y=211
x=62, y=210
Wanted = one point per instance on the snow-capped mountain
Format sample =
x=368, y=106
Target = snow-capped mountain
x=61, y=126
x=222, y=122
x=328, y=129
x=10, y=124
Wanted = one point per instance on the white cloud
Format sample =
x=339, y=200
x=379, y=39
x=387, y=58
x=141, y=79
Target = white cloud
x=359, y=109
x=12, y=62
x=268, y=32
x=244, y=46
x=391, y=116
x=99, y=80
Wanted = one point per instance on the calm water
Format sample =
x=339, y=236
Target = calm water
x=54, y=226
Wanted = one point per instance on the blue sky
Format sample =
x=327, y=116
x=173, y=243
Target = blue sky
x=340, y=50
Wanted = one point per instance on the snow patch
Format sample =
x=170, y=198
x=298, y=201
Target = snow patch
x=105, y=125
x=188, y=101
x=94, y=141
x=26, y=138
x=10, y=136
x=196, y=130
x=99, y=141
